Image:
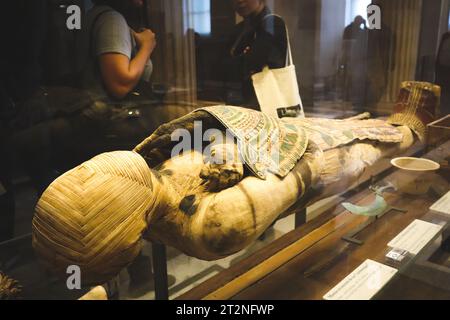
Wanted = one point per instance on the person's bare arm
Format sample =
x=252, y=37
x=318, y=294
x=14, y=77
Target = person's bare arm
x=120, y=74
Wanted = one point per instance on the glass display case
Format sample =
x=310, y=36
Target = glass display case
x=332, y=108
x=314, y=261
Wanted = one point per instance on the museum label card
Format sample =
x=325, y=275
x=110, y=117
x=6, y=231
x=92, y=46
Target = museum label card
x=363, y=283
x=443, y=205
x=416, y=236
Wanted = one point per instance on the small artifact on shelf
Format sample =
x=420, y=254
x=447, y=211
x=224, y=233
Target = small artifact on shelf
x=416, y=175
x=375, y=210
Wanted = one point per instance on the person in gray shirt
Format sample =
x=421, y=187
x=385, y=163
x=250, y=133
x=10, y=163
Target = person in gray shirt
x=118, y=56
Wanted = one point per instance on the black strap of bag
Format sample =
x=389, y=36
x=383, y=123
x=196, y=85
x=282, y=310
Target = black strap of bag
x=289, y=59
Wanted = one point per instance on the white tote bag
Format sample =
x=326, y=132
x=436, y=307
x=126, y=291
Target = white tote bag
x=277, y=89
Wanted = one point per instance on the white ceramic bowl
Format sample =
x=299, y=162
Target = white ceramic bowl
x=415, y=174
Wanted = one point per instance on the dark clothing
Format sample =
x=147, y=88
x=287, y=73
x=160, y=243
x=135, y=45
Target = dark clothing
x=265, y=37
x=23, y=33
x=354, y=31
x=367, y=60
x=23, y=26
x=355, y=42
x=6, y=193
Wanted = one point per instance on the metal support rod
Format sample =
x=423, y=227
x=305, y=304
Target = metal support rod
x=160, y=271
x=300, y=218
x=351, y=236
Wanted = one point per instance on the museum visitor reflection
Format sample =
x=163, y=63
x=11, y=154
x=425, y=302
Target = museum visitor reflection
x=366, y=60
x=259, y=40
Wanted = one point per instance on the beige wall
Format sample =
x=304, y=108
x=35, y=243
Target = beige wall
x=301, y=17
